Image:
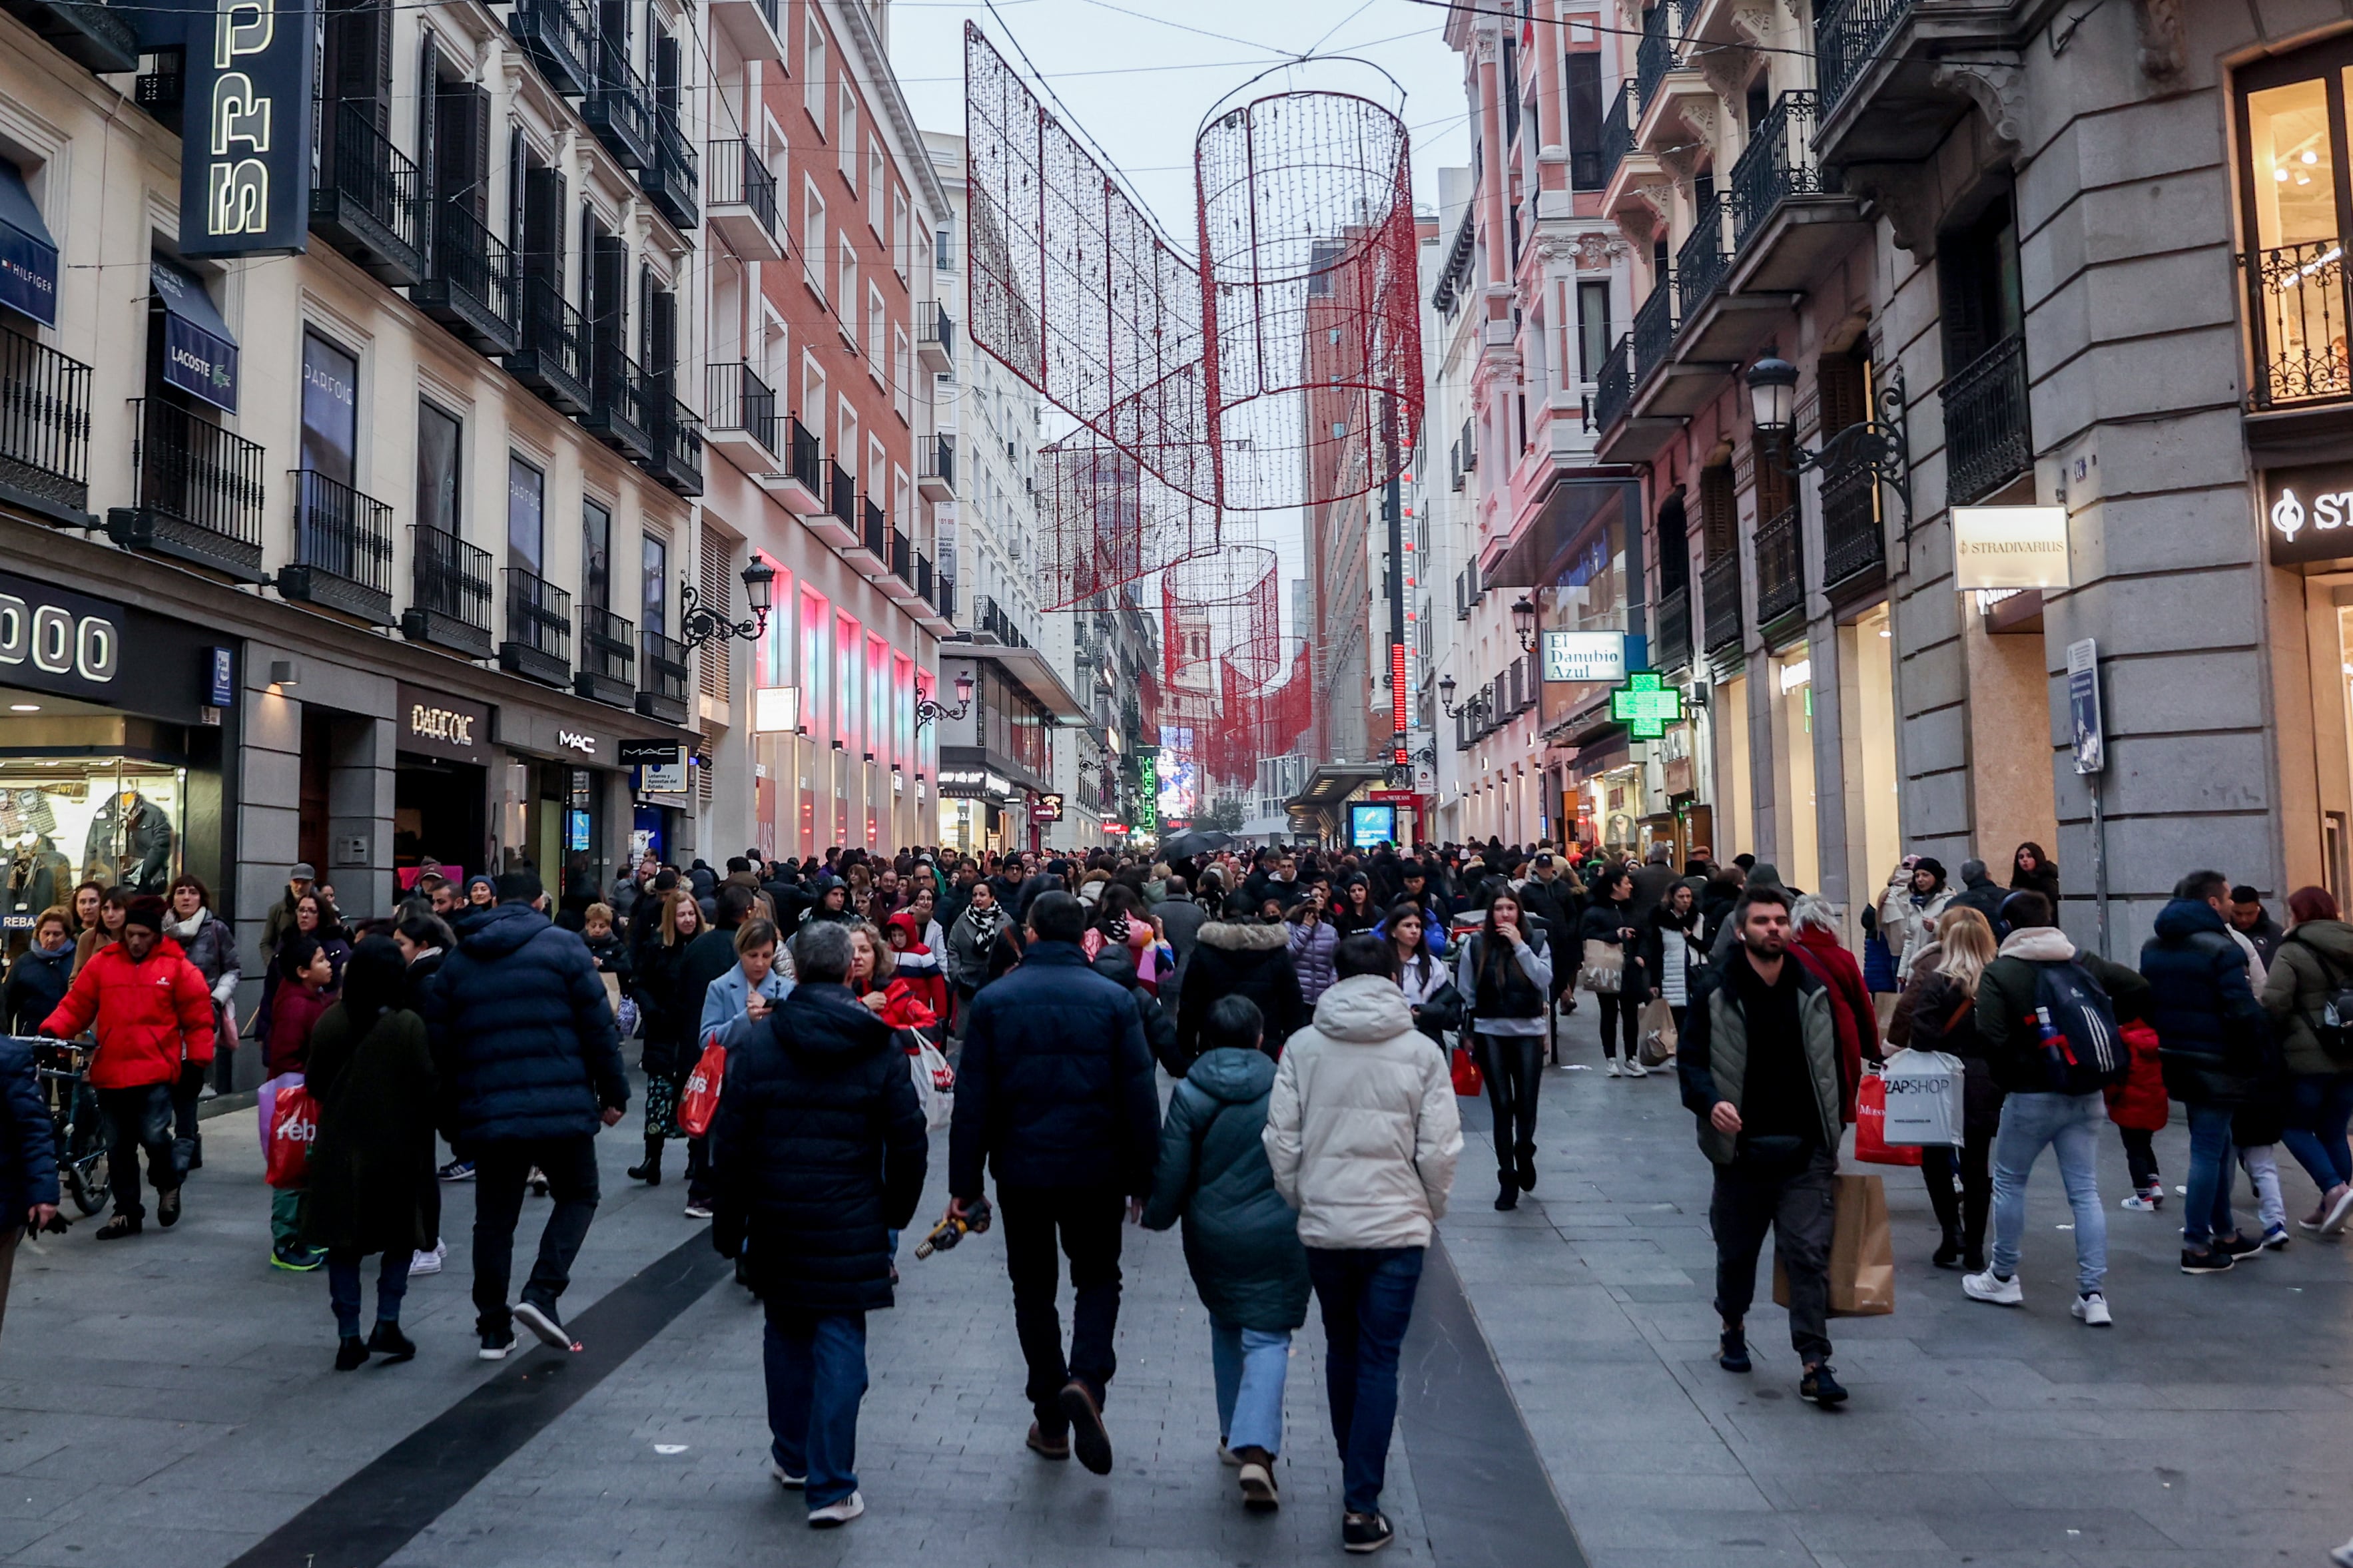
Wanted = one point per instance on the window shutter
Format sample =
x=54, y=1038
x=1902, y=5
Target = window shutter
x=608, y=308
x=478, y=197
x=717, y=580
x=459, y=159
x=1776, y=491
x=665, y=70
x=661, y=333
x=543, y=218
x=1719, y=511
x=1842, y=384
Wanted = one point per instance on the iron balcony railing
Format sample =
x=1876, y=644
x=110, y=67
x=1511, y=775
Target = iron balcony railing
x=555, y=33
x=666, y=665
x=1781, y=567
x=539, y=615
x=1701, y=264
x=902, y=556
x=938, y=461
x=44, y=425
x=1986, y=442
x=1654, y=325
x=608, y=646
x=1852, y=539
x=1778, y=164
x=470, y=274
x=2296, y=321
x=1613, y=389
x=738, y=178
x=739, y=400
x=1618, y=132
x=617, y=401
x=935, y=328
x=621, y=107
x=841, y=496
x=192, y=472
x=677, y=456
x=1675, y=628
x=1719, y=589
x=1846, y=41
x=339, y=532
x=555, y=336
x=161, y=84
x=368, y=198
x=943, y=596
x=450, y=577
x=804, y=461
x=874, y=531
x=922, y=579
x=1655, y=55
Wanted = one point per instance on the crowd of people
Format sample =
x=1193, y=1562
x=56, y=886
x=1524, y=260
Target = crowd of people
x=1264, y=1049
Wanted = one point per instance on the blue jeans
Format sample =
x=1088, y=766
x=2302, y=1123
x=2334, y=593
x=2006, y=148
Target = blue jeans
x=2069, y=1124
x=1366, y=1295
x=1250, y=1366
x=815, y=1365
x=2208, y=1215
x=2322, y=1109
x=343, y=1286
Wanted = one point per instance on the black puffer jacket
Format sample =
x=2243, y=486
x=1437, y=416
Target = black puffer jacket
x=818, y=1153
x=28, y=1144
x=669, y=1014
x=1055, y=1086
x=522, y=1037
x=1239, y=958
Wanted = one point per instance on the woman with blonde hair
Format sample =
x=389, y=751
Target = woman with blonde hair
x=668, y=1016
x=1943, y=1017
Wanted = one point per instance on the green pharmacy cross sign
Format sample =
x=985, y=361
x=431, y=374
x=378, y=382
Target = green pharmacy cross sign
x=1646, y=705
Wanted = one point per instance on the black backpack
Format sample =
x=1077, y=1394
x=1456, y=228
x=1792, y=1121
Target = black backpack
x=2332, y=1027
x=2081, y=1048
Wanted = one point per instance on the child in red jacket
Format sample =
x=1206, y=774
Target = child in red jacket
x=306, y=989
x=2138, y=1108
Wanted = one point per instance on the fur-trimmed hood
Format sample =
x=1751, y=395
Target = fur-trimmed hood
x=1239, y=936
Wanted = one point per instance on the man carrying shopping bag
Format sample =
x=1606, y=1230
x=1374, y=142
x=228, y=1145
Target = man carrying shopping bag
x=1760, y=1064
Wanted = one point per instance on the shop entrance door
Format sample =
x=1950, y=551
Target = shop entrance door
x=438, y=814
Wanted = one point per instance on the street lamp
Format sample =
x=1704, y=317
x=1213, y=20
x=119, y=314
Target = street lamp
x=1477, y=707
x=1881, y=444
x=1524, y=621
x=928, y=711
x=709, y=622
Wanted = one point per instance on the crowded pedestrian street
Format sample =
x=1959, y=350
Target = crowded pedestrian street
x=1561, y=1404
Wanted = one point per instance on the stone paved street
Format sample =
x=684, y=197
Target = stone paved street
x=168, y=1401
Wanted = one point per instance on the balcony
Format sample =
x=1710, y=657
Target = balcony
x=744, y=201
x=469, y=284
x=538, y=645
x=198, y=492
x=608, y=659
x=1613, y=390
x=1618, y=131
x=556, y=35
x=677, y=457
x=1701, y=263
x=44, y=431
x=1719, y=590
x=621, y=107
x=342, y=550
x=935, y=339
x=929, y=606
x=838, y=524
x=871, y=553
x=936, y=480
x=742, y=422
x=662, y=688
x=448, y=593
x=1654, y=325
x=1674, y=644
x=901, y=584
x=1854, y=545
x=1986, y=442
x=990, y=620
x=753, y=26
x=1848, y=39
x=1786, y=228
x=554, y=358
x=365, y=201
x=1780, y=569
x=1655, y=55
x=161, y=85
x=671, y=181
x=617, y=413
x=2296, y=318
x=100, y=38
x=799, y=482
x=1897, y=76
x=943, y=598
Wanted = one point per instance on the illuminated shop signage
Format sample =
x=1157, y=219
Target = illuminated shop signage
x=245, y=169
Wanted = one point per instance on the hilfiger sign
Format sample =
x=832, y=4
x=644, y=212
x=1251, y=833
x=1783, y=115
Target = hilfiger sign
x=2308, y=513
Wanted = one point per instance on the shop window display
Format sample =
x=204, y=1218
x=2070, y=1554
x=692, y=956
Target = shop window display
x=113, y=820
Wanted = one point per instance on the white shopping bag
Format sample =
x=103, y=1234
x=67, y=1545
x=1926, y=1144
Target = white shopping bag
x=1923, y=1098
x=934, y=1082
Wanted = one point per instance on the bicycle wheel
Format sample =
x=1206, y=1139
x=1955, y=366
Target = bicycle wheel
x=86, y=1183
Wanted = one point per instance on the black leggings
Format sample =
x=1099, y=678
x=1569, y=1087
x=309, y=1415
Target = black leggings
x=2141, y=1156
x=1514, y=1067
x=1621, y=1012
x=1966, y=1210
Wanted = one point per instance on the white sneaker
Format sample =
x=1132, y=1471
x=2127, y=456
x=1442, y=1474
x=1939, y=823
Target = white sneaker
x=697, y=1211
x=791, y=1483
x=1989, y=1286
x=2339, y=1211
x=2138, y=1205
x=2090, y=1310
x=2343, y=1555
x=1636, y=1069
x=1226, y=1456
x=834, y=1515
x=428, y=1262
x=1614, y=1067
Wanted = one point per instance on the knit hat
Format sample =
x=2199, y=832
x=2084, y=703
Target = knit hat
x=147, y=911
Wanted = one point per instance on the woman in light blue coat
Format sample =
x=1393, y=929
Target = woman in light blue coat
x=727, y=1003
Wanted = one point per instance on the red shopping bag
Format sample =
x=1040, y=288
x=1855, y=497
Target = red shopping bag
x=1467, y=1082
x=698, y=1103
x=1871, y=1144
x=293, y=1128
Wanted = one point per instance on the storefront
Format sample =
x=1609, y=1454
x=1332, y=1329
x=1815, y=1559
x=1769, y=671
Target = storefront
x=440, y=785
x=116, y=723
x=979, y=808
x=564, y=799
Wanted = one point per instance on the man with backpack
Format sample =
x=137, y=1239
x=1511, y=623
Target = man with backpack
x=2047, y=1020
x=2212, y=1039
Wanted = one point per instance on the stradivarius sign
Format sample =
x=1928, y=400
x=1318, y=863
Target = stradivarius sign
x=2308, y=513
x=244, y=153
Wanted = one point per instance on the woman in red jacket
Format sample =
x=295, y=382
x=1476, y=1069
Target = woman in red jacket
x=1815, y=945
x=152, y=1016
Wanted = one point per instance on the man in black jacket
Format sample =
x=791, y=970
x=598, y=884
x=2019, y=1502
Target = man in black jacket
x=524, y=1043
x=1979, y=892
x=822, y=1152
x=1055, y=1095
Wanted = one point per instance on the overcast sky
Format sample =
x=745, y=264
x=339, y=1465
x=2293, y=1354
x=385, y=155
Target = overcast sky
x=1138, y=84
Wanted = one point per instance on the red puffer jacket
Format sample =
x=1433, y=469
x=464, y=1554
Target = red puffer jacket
x=2139, y=1101
x=1851, y=1007
x=145, y=1014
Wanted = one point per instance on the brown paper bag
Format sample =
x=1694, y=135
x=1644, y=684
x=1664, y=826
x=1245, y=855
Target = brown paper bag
x=1863, y=1252
x=1657, y=1032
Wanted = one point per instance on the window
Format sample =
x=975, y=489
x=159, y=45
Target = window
x=595, y=555
x=1976, y=274
x=901, y=236
x=813, y=238
x=812, y=405
x=1593, y=335
x=813, y=82
x=654, y=565
x=2292, y=135
x=875, y=186
x=942, y=251
x=438, y=454
x=330, y=409
x=902, y=372
x=846, y=301
x=845, y=135
x=1584, y=85
x=845, y=451
x=526, y=516
x=877, y=326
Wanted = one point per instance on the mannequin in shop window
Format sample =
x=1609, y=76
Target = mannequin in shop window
x=129, y=842
x=40, y=874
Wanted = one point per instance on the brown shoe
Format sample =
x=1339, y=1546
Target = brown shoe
x=1046, y=1447
x=1257, y=1477
x=1087, y=1434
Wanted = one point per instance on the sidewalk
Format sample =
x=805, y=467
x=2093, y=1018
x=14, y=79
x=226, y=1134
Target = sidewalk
x=2202, y=1429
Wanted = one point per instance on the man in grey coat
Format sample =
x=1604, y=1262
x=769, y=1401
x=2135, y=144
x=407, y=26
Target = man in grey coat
x=1180, y=922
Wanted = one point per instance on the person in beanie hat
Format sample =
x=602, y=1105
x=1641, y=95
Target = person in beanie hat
x=1907, y=915
x=151, y=1014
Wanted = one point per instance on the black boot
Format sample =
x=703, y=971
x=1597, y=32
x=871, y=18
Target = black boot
x=1948, y=1255
x=1523, y=1158
x=1510, y=1196
x=651, y=1171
